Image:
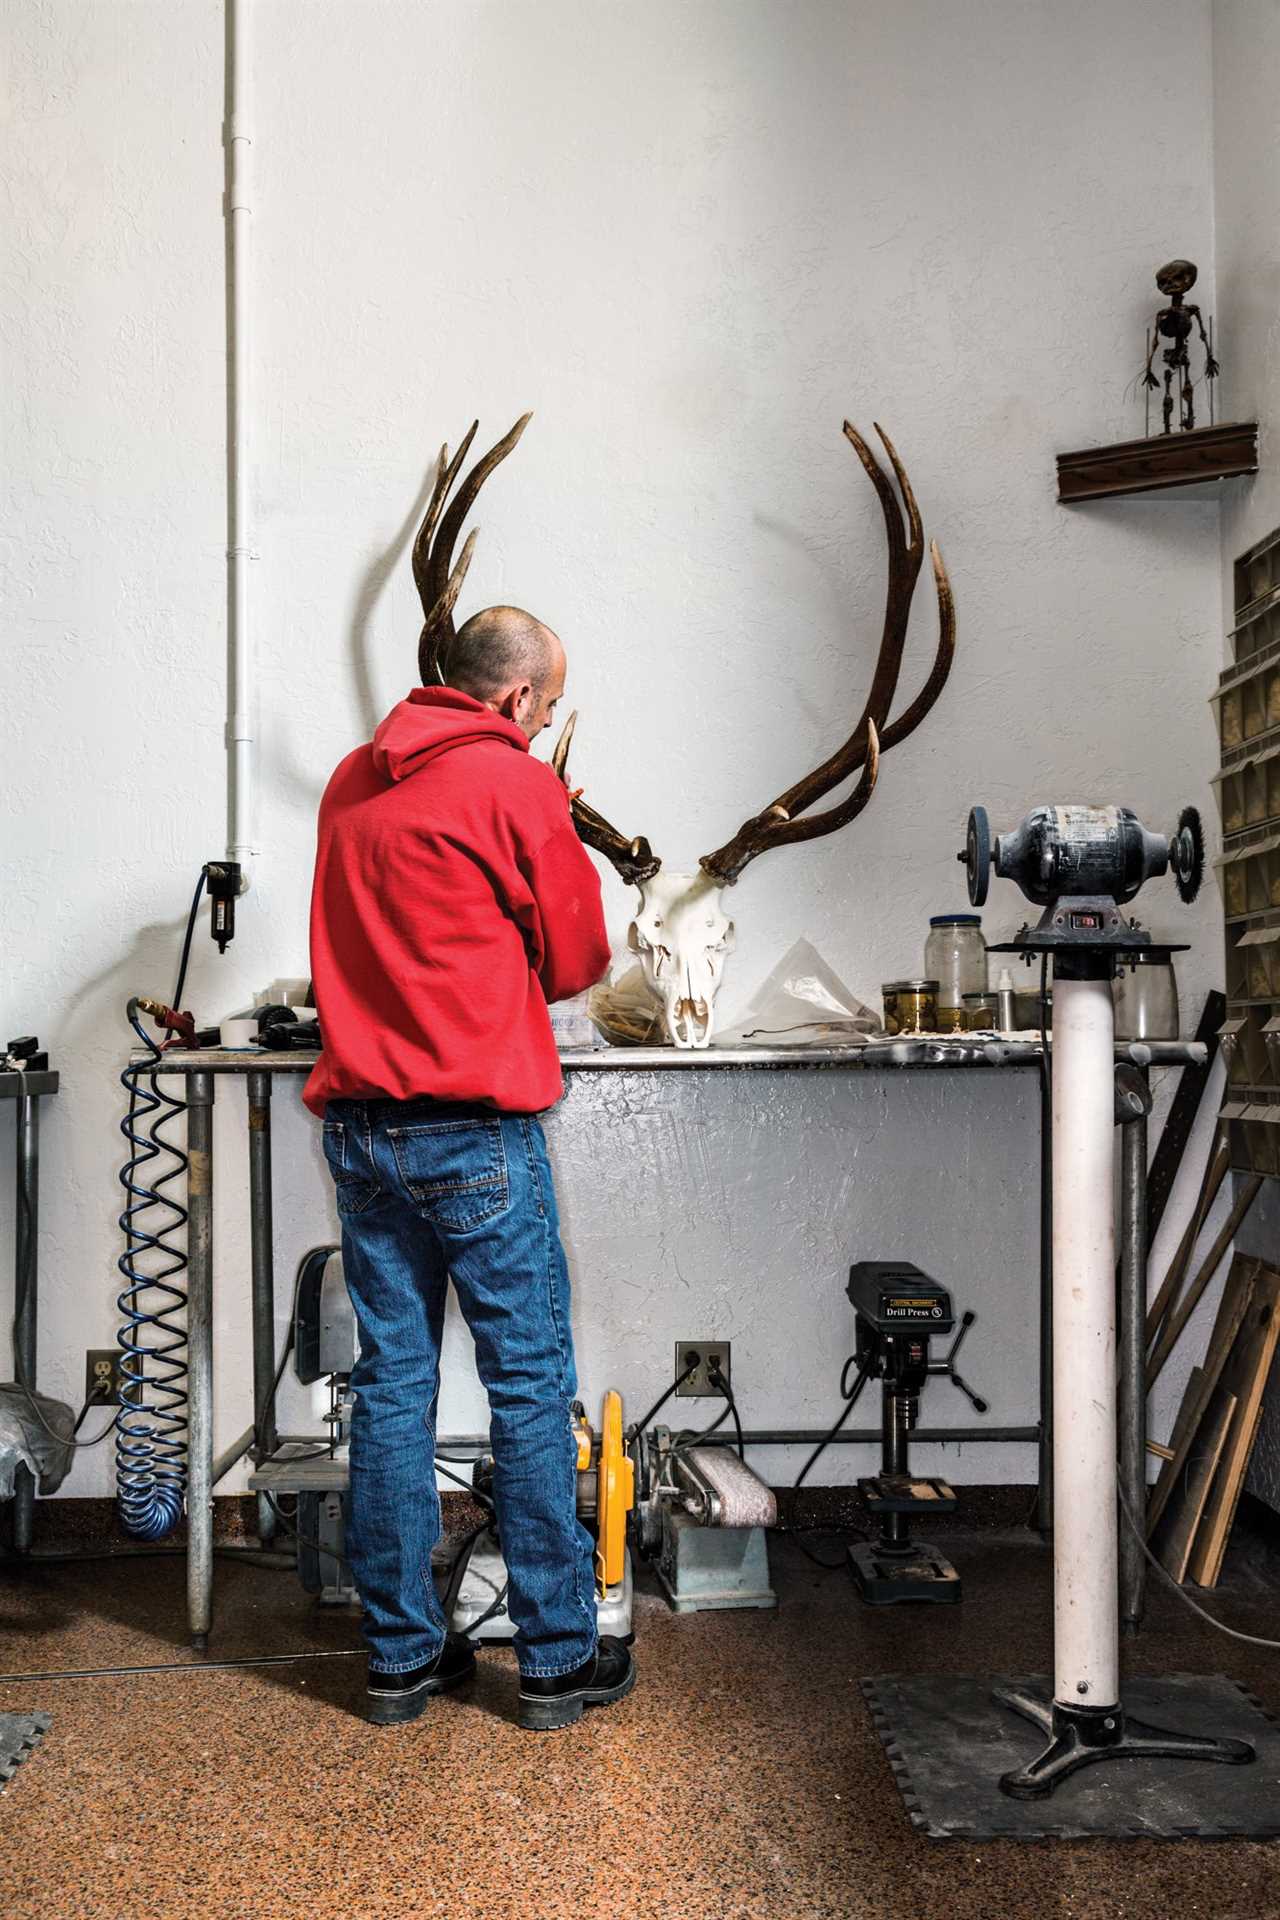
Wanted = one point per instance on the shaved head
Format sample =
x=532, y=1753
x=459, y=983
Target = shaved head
x=509, y=661
x=499, y=648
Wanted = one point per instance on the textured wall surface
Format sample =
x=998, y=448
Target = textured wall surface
x=770, y=1184
x=1246, y=59
x=692, y=239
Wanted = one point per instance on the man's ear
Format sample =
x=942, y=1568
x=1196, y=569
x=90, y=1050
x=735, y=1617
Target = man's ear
x=513, y=701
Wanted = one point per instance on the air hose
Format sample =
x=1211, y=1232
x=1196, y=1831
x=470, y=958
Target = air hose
x=151, y=1426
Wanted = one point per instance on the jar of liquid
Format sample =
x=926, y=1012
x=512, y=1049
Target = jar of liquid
x=1145, y=994
x=955, y=955
x=910, y=1006
x=980, y=1012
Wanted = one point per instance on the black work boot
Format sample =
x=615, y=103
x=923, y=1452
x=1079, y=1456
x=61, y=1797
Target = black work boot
x=557, y=1700
x=395, y=1697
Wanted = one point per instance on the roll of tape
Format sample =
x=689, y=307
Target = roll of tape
x=238, y=1033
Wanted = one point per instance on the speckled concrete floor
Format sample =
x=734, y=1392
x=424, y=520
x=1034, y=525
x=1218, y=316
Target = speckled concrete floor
x=742, y=1779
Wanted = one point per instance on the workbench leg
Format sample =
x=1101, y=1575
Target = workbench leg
x=200, y=1358
x=1044, y=1502
x=262, y=1237
x=1131, y=1323
x=27, y=1191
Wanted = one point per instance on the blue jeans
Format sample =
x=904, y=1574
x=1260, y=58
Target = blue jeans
x=429, y=1192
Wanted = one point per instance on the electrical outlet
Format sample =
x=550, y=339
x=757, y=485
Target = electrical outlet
x=102, y=1377
x=708, y=1353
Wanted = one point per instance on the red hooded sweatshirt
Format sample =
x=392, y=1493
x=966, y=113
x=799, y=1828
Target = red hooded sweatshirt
x=452, y=900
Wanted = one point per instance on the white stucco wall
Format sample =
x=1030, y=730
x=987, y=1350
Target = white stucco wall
x=692, y=239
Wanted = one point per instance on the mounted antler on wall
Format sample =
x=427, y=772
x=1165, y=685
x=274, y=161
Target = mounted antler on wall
x=438, y=581
x=682, y=931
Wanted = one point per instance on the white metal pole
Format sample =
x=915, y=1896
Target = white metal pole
x=238, y=212
x=1086, y=1623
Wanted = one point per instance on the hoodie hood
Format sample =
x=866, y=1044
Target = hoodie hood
x=431, y=722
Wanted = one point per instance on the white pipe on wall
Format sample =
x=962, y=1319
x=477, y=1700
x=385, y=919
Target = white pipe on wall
x=1085, y=1543
x=239, y=144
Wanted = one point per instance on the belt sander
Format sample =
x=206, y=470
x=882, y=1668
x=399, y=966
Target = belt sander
x=695, y=1511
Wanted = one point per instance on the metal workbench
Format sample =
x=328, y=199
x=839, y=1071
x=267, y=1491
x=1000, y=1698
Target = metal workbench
x=202, y=1069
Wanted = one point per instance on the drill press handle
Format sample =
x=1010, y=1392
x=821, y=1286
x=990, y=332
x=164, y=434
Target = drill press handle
x=947, y=1365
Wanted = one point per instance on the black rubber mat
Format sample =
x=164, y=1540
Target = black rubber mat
x=19, y=1733
x=948, y=1742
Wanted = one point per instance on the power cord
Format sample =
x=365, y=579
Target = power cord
x=850, y=1397
x=189, y=1666
x=687, y=1439
x=663, y=1398
x=717, y=1379
x=1232, y=1633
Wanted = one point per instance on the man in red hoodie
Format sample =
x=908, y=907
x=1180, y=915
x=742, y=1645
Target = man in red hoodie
x=452, y=901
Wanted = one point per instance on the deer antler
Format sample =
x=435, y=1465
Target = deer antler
x=438, y=586
x=634, y=859
x=874, y=733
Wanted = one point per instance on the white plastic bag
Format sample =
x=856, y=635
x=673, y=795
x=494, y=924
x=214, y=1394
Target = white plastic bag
x=803, y=1003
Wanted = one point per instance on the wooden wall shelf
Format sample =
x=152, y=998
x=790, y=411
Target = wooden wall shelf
x=1165, y=460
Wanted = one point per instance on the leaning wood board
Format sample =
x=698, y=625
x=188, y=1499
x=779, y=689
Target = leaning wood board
x=1232, y=1307
x=1176, y=1533
x=1245, y=1375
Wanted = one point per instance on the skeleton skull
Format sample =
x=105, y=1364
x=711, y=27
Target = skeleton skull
x=682, y=934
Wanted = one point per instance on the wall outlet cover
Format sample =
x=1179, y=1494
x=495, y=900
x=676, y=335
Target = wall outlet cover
x=698, y=1386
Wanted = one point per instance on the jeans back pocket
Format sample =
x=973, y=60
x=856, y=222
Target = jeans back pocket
x=454, y=1171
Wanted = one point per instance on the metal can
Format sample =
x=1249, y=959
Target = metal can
x=910, y=1006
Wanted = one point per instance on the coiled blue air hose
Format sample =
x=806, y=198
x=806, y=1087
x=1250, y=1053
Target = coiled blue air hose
x=151, y=1426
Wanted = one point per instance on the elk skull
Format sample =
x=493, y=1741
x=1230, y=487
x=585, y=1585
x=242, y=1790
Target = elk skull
x=682, y=934
x=681, y=930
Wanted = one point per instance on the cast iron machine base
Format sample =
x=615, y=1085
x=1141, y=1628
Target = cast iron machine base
x=1081, y=1735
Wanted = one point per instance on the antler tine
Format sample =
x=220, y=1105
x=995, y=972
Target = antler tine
x=433, y=568
x=904, y=570
x=446, y=474
x=560, y=756
x=635, y=859
x=439, y=622
x=778, y=825
x=908, y=722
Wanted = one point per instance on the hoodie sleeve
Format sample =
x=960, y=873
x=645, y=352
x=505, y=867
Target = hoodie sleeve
x=565, y=921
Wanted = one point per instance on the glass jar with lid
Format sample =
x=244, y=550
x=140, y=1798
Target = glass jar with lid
x=955, y=955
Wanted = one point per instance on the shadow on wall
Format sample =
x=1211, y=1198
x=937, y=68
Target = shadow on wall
x=373, y=585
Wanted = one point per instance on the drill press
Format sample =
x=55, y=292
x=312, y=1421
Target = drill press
x=898, y=1311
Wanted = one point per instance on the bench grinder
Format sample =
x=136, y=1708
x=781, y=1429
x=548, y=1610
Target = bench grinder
x=1082, y=864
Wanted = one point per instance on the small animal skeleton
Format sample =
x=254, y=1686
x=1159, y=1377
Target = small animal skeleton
x=1174, y=323
x=682, y=931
